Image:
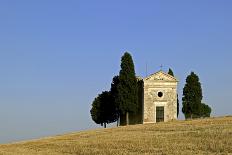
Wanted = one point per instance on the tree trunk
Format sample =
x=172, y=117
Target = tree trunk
x=127, y=118
x=118, y=121
x=104, y=125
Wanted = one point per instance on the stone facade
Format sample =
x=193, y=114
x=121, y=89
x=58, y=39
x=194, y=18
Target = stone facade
x=157, y=96
x=160, y=98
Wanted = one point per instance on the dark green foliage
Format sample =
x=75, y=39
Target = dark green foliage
x=114, y=94
x=127, y=88
x=170, y=72
x=103, y=110
x=178, y=106
x=192, y=96
x=140, y=101
x=114, y=86
x=137, y=117
x=205, y=110
x=95, y=111
x=122, y=98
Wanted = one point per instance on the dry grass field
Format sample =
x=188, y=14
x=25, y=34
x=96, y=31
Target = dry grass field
x=207, y=136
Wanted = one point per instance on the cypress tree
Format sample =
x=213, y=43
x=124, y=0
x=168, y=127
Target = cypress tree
x=178, y=105
x=114, y=94
x=127, y=87
x=192, y=96
x=95, y=111
x=103, y=110
x=205, y=110
x=139, y=114
x=170, y=72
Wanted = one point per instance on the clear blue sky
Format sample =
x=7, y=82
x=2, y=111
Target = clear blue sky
x=56, y=56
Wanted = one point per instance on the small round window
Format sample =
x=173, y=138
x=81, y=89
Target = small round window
x=160, y=94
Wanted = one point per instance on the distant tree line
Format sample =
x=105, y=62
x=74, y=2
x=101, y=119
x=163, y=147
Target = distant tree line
x=123, y=102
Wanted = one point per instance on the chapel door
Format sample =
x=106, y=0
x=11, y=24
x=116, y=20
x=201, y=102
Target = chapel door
x=159, y=114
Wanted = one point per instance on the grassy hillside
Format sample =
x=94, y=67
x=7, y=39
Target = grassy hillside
x=207, y=136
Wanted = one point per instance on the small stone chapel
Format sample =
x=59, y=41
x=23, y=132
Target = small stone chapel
x=160, y=98
x=157, y=100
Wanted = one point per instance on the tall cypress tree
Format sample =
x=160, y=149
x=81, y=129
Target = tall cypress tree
x=192, y=96
x=114, y=95
x=170, y=72
x=127, y=87
x=178, y=105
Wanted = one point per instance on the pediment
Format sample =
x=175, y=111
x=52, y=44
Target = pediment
x=161, y=76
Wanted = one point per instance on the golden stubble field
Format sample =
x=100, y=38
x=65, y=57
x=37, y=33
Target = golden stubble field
x=206, y=136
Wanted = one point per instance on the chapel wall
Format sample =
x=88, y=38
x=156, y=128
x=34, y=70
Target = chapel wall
x=168, y=100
